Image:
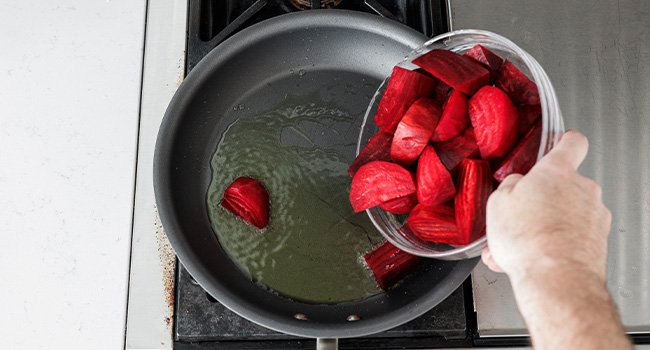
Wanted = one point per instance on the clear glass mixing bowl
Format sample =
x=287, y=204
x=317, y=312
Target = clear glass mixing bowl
x=389, y=225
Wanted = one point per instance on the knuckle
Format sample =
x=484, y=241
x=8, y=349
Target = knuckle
x=607, y=214
x=592, y=187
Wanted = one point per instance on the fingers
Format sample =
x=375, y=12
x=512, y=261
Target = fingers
x=509, y=182
x=486, y=256
x=571, y=149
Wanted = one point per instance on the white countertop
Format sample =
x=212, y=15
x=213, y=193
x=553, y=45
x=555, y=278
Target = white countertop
x=69, y=101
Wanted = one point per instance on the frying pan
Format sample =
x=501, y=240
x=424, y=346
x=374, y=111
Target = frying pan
x=257, y=68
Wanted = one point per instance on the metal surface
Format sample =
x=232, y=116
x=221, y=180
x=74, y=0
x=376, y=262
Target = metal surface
x=150, y=302
x=327, y=344
x=331, y=48
x=597, y=55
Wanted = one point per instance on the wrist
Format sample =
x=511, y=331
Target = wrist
x=568, y=305
x=547, y=270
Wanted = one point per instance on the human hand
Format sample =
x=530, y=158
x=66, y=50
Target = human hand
x=551, y=218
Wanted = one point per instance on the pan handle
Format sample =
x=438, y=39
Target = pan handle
x=327, y=344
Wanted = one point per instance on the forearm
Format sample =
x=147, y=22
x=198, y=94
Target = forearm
x=569, y=310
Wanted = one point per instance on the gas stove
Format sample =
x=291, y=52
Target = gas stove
x=202, y=322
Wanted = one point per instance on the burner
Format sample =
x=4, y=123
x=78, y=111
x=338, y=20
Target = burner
x=310, y=4
x=213, y=21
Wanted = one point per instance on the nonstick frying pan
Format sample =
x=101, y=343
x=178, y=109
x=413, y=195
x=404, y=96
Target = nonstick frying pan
x=319, y=54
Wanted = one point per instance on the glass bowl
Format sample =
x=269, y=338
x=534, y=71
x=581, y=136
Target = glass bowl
x=390, y=225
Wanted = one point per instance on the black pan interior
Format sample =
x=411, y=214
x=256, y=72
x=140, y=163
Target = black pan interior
x=313, y=54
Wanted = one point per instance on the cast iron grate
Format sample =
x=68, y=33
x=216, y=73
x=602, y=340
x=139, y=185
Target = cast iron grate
x=212, y=21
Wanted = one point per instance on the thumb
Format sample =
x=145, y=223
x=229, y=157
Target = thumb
x=572, y=149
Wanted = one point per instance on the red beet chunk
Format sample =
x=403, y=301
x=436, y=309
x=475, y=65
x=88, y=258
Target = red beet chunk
x=516, y=84
x=522, y=158
x=434, y=182
x=452, y=152
x=414, y=131
x=435, y=224
x=474, y=188
x=487, y=58
x=248, y=199
x=389, y=264
x=494, y=118
x=441, y=92
x=401, y=205
x=528, y=115
x=454, y=117
x=377, y=182
x=459, y=72
x=377, y=148
x=404, y=88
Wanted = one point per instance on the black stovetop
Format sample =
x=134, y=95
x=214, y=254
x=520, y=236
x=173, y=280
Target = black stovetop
x=200, y=321
x=212, y=21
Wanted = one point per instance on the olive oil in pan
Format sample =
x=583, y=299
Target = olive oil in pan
x=311, y=249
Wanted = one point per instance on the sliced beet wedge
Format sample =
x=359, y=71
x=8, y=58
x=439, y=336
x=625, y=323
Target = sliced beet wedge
x=377, y=148
x=389, y=264
x=494, y=118
x=401, y=205
x=452, y=152
x=460, y=72
x=441, y=92
x=522, y=158
x=414, y=131
x=516, y=84
x=377, y=182
x=433, y=180
x=528, y=115
x=474, y=188
x=454, y=117
x=487, y=58
x=404, y=87
x=248, y=199
x=435, y=224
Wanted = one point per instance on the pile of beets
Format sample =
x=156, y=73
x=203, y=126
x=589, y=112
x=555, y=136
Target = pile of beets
x=448, y=133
